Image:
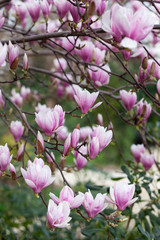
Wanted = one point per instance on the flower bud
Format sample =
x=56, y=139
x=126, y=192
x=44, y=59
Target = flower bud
x=5, y=157
x=75, y=138
x=40, y=143
x=17, y=130
x=67, y=145
x=93, y=148
x=145, y=63
x=25, y=62
x=12, y=171
x=147, y=160
x=20, y=152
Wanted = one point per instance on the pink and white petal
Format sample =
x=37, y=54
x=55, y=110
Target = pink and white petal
x=54, y=198
x=96, y=105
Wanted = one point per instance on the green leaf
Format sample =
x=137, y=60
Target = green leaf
x=146, y=234
x=88, y=232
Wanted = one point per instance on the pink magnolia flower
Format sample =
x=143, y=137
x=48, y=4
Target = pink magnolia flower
x=68, y=44
x=61, y=114
x=58, y=216
x=147, y=160
x=122, y=22
x=17, y=99
x=49, y=159
x=93, y=148
x=5, y=157
x=101, y=7
x=62, y=133
x=137, y=150
x=25, y=92
x=60, y=64
x=20, y=152
x=1, y=100
x=85, y=99
x=17, y=130
x=75, y=137
x=100, y=76
x=3, y=50
x=94, y=206
x=128, y=98
x=74, y=12
x=86, y=50
x=85, y=132
x=20, y=9
x=25, y=62
x=98, y=55
x=67, y=145
x=37, y=176
x=67, y=195
x=80, y=161
x=40, y=143
x=48, y=121
x=62, y=7
x=45, y=8
x=143, y=110
x=33, y=9
x=122, y=195
x=13, y=55
x=103, y=136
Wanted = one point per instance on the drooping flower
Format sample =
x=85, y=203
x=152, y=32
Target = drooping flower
x=38, y=175
x=33, y=9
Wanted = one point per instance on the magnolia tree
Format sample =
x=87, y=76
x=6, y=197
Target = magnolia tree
x=83, y=39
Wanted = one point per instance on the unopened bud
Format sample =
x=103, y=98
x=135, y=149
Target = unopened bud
x=145, y=63
x=14, y=64
x=91, y=9
x=152, y=69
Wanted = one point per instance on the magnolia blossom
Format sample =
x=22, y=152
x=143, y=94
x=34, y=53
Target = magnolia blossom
x=45, y=8
x=104, y=137
x=143, y=110
x=67, y=195
x=93, y=148
x=85, y=132
x=33, y=9
x=147, y=160
x=60, y=64
x=94, y=206
x=129, y=98
x=137, y=150
x=80, y=161
x=17, y=130
x=37, y=176
x=62, y=133
x=74, y=12
x=122, y=195
x=58, y=216
x=86, y=50
x=48, y=121
x=13, y=55
x=5, y=157
x=85, y=99
x=62, y=7
x=3, y=50
x=25, y=92
x=75, y=137
x=17, y=99
x=100, y=76
x=100, y=119
x=121, y=22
